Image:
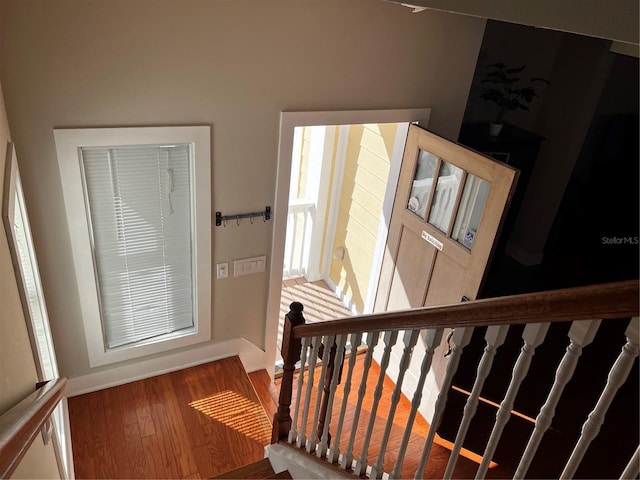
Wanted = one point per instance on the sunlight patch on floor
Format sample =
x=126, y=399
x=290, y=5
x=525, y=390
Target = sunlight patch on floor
x=237, y=412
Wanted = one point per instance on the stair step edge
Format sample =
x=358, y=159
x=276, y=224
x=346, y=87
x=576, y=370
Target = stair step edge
x=260, y=469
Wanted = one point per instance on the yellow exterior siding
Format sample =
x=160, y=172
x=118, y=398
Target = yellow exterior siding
x=332, y=176
x=304, y=161
x=363, y=188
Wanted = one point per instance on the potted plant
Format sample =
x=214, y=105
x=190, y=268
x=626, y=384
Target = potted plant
x=504, y=90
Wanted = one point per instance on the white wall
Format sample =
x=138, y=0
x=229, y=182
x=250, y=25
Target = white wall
x=229, y=63
x=18, y=375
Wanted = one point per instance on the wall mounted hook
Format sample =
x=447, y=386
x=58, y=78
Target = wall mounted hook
x=222, y=219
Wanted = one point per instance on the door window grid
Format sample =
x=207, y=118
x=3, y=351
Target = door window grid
x=455, y=206
x=426, y=168
x=444, y=199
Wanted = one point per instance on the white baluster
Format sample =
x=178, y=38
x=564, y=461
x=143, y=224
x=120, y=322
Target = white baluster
x=295, y=264
x=461, y=338
x=410, y=339
x=633, y=467
x=334, y=451
x=617, y=376
x=303, y=360
x=313, y=438
x=432, y=341
x=533, y=335
x=313, y=356
x=372, y=341
x=341, y=340
x=581, y=334
x=494, y=338
x=389, y=339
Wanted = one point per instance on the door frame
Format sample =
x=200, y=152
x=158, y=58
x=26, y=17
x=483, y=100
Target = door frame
x=288, y=122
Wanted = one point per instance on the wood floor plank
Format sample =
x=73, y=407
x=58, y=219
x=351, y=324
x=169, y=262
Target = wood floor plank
x=127, y=399
x=82, y=437
x=215, y=458
x=142, y=405
x=139, y=466
x=115, y=433
x=185, y=386
x=92, y=438
x=266, y=391
x=170, y=428
x=162, y=460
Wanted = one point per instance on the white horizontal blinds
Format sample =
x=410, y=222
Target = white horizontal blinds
x=139, y=203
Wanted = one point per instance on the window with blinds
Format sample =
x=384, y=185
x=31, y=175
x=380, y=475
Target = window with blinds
x=139, y=203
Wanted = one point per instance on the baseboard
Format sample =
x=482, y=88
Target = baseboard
x=522, y=256
x=252, y=359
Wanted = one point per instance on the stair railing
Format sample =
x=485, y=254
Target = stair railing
x=584, y=307
x=20, y=425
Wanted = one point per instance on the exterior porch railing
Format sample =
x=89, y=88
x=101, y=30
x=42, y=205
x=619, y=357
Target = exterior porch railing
x=300, y=219
x=305, y=420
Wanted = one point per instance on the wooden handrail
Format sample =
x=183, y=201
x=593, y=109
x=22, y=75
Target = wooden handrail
x=611, y=300
x=20, y=425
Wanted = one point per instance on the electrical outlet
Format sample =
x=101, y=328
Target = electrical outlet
x=223, y=270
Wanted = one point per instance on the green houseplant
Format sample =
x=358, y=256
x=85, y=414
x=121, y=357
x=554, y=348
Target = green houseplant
x=506, y=91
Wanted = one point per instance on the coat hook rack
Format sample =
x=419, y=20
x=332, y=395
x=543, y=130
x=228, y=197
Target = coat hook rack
x=222, y=219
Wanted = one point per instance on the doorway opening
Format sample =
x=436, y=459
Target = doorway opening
x=337, y=176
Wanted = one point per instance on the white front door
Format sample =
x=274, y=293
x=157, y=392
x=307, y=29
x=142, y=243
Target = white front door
x=446, y=218
x=289, y=121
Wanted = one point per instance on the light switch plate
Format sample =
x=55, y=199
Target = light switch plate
x=247, y=266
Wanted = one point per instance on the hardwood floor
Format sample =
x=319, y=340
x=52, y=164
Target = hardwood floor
x=206, y=420
x=193, y=423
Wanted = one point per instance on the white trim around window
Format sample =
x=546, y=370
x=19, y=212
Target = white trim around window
x=69, y=143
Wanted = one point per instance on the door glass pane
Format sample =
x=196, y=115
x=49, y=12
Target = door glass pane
x=445, y=197
x=422, y=181
x=474, y=196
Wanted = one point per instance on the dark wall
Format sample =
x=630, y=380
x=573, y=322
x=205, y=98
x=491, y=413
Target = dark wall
x=595, y=235
x=594, y=239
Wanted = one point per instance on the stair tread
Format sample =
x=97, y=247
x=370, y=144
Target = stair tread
x=282, y=475
x=260, y=469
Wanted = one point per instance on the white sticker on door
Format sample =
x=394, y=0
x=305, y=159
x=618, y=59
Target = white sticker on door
x=432, y=240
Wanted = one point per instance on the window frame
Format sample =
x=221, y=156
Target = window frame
x=68, y=145
x=41, y=340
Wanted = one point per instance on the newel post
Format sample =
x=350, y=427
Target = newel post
x=291, y=348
